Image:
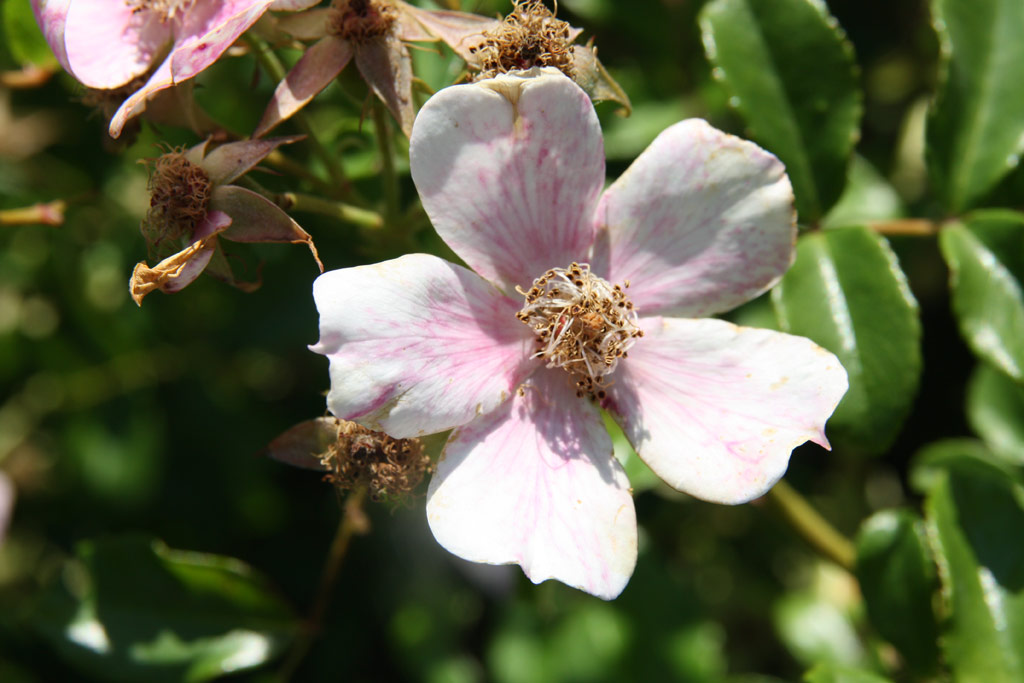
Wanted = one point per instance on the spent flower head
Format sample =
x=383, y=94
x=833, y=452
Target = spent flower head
x=193, y=206
x=614, y=287
x=106, y=44
x=374, y=34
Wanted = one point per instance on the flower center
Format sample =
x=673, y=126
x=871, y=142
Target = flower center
x=530, y=36
x=166, y=10
x=584, y=324
x=360, y=20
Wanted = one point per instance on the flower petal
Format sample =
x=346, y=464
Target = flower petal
x=207, y=30
x=700, y=223
x=386, y=67
x=6, y=504
x=715, y=409
x=418, y=345
x=535, y=483
x=136, y=103
x=314, y=71
x=51, y=16
x=109, y=43
x=509, y=170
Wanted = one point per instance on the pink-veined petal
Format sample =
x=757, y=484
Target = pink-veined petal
x=314, y=71
x=509, y=170
x=207, y=30
x=418, y=345
x=715, y=409
x=136, y=103
x=535, y=483
x=6, y=504
x=51, y=16
x=701, y=222
x=109, y=42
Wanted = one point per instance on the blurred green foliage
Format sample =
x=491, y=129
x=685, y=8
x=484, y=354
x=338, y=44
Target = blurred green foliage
x=118, y=421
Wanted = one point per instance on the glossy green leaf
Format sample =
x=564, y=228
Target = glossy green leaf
x=985, y=255
x=976, y=128
x=995, y=409
x=793, y=78
x=132, y=609
x=846, y=292
x=934, y=461
x=969, y=511
x=897, y=577
x=830, y=673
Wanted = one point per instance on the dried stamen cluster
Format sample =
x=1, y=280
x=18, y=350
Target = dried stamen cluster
x=361, y=20
x=389, y=468
x=584, y=324
x=179, y=193
x=529, y=36
x=167, y=10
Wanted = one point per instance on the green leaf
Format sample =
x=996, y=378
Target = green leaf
x=986, y=262
x=132, y=609
x=793, y=78
x=969, y=511
x=830, y=673
x=934, y=461
x=846, y=292
x=23, y=37
x=897, y=577
x=976, y=128
x=995, y=410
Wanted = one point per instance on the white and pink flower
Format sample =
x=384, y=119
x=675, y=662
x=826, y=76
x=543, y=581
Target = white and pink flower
x=511, y=170
x=106, y=44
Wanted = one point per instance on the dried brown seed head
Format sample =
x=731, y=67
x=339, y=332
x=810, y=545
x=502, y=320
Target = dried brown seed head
x=361, y=20
x=530, y=36
x=179, y=193
x=390, y=468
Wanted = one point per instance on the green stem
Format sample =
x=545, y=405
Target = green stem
x=389, y=177
x=353, y=521
x=811, y=526
x=916, y=227
x=364, y=218
x=272, y=65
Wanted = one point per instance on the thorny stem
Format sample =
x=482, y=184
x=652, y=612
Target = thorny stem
x=364, y=218
x=389, y=178
x=272, y=65
x=811, y=526
x=353, y=521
